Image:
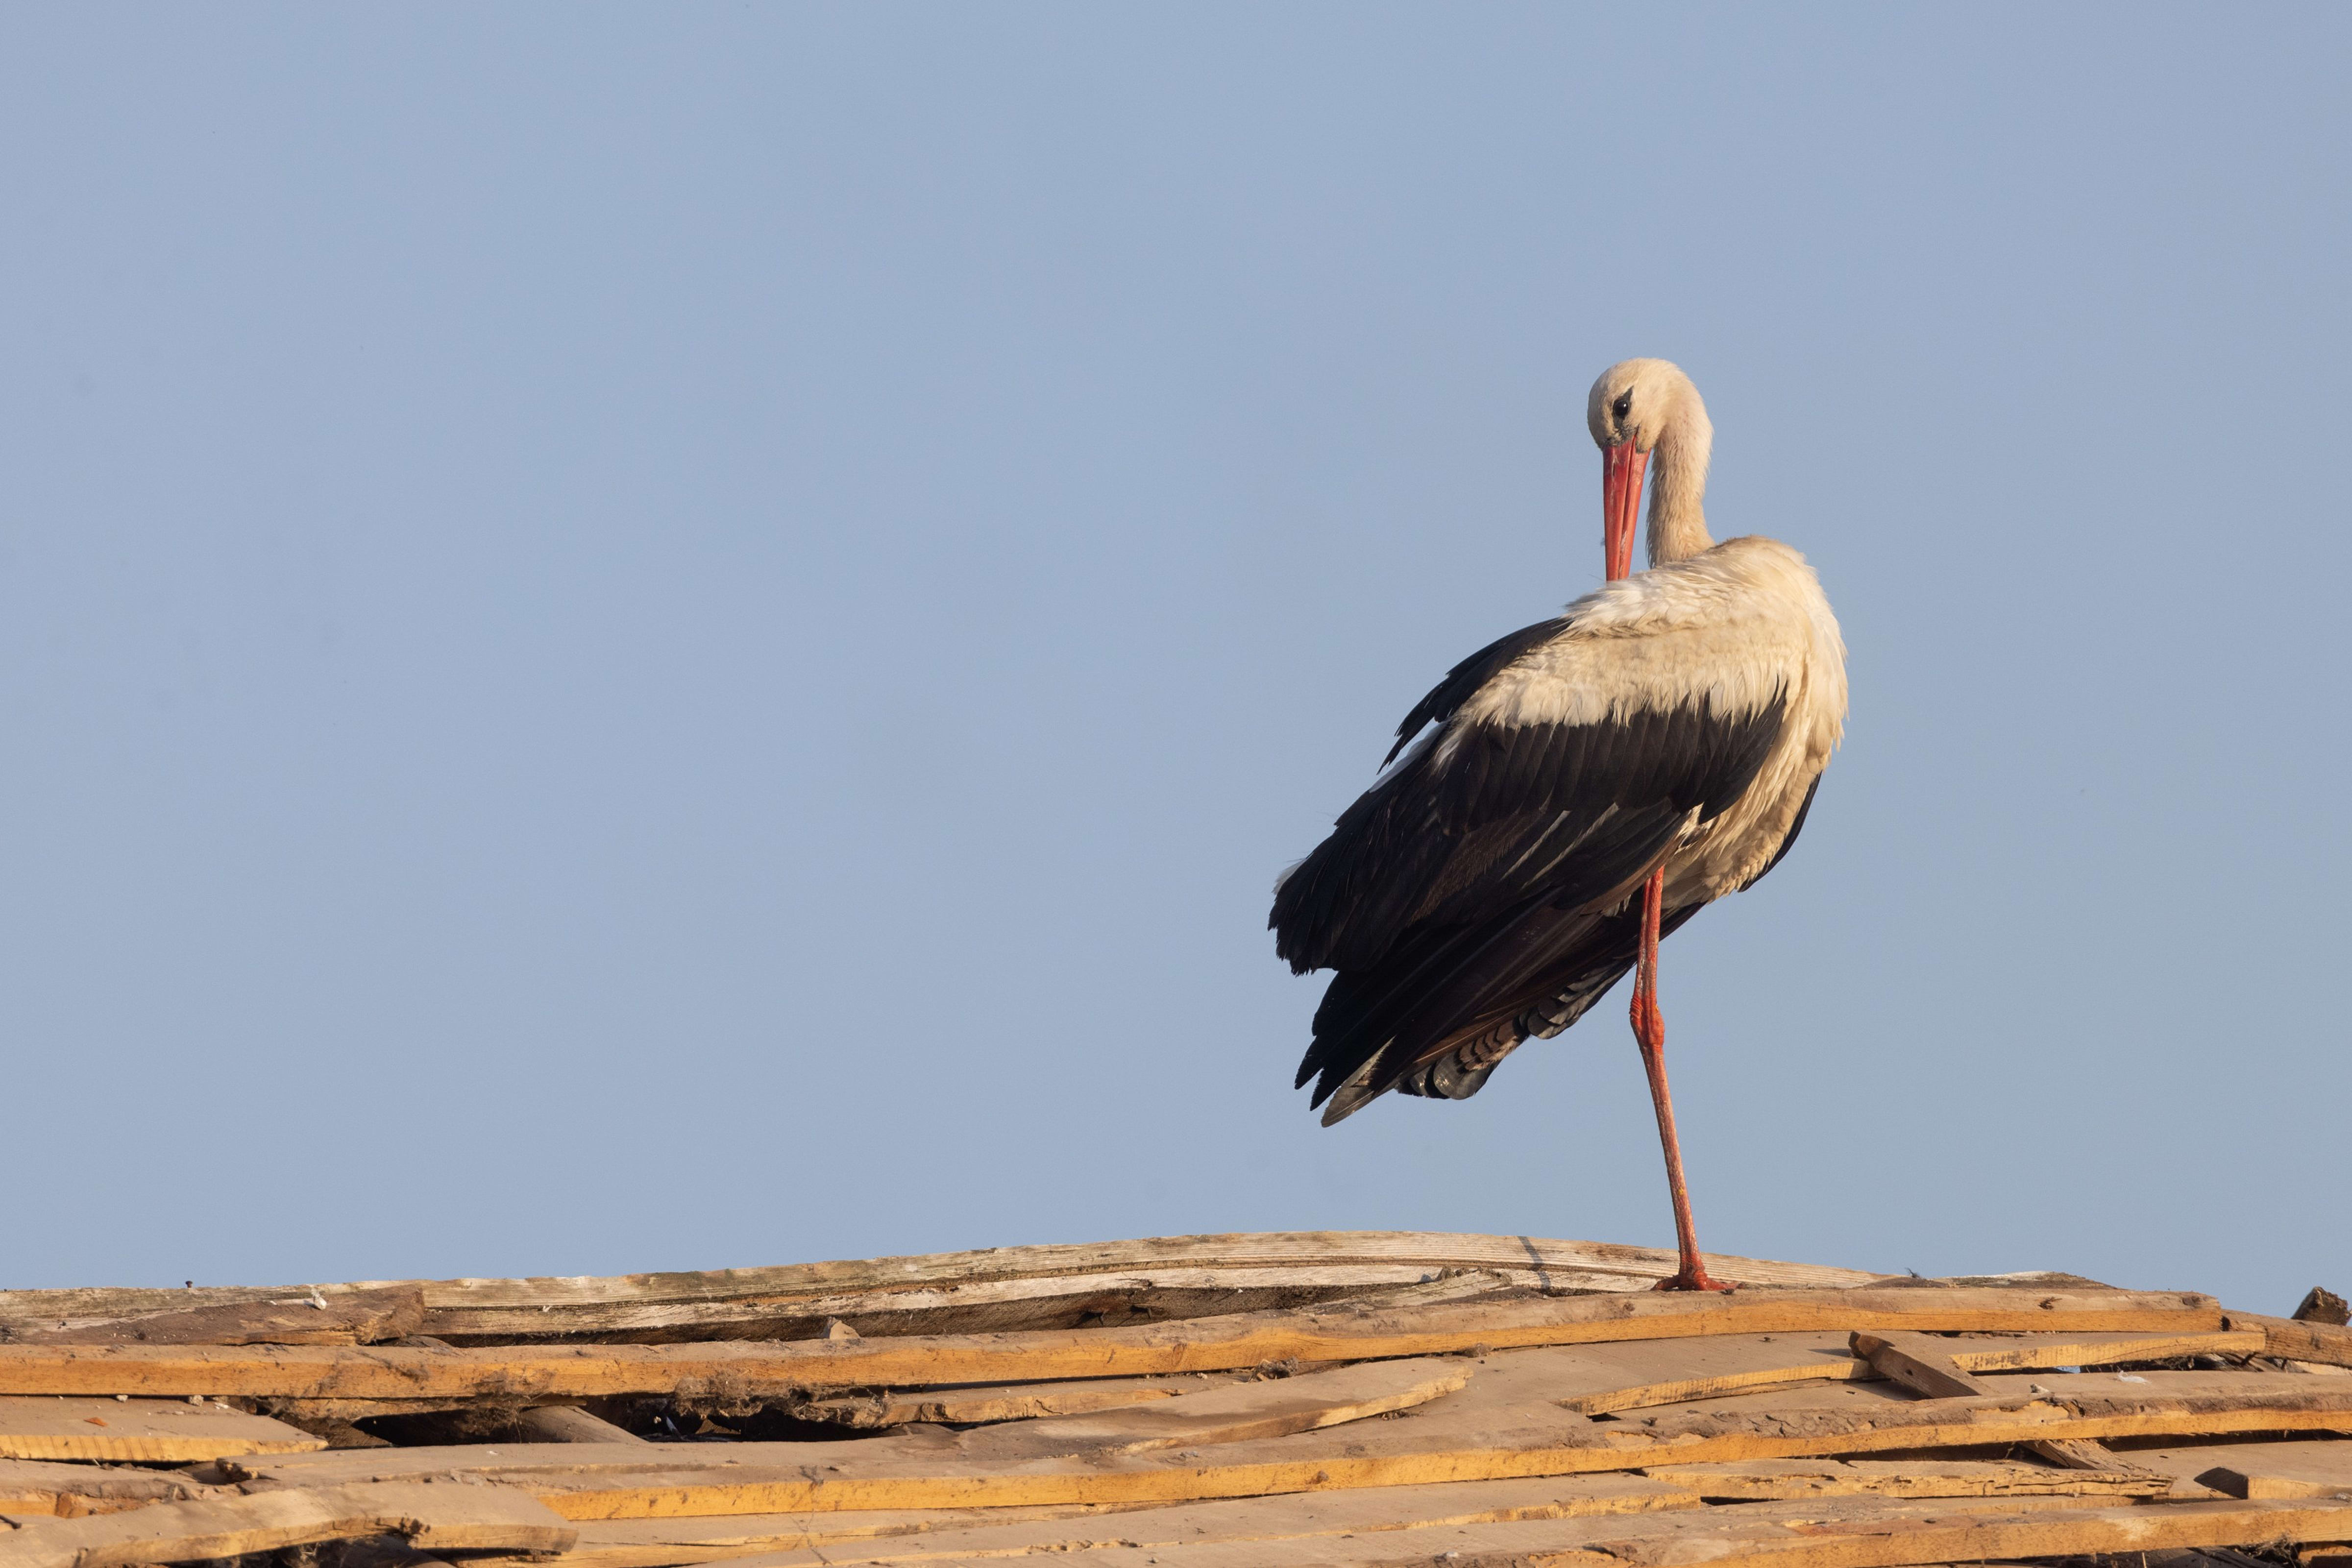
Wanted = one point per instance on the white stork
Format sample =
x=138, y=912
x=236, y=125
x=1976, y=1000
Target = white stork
x=1589, y=783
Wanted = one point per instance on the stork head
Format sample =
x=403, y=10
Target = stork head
x=1634, y=405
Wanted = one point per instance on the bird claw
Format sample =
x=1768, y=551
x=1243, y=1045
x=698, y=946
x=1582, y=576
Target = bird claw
x=1692, y=1277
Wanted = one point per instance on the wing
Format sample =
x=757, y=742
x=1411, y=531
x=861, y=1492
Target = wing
x=1467, y=676
x=1468, y=885
x=1597, y=952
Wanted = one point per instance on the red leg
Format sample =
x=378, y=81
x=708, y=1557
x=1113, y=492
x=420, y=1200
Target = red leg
x=1650, y=1033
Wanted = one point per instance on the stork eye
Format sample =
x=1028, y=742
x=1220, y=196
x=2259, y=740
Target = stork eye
x=1623, y=406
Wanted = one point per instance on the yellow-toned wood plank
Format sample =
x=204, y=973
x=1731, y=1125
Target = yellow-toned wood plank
x=1243, y=1412
x=68, y=1490
x=434, y=1518
x=2033, y=1351
x=2292, y=1339
x=156, y=1431
x=1672, y=1371
x=1640, y=1374
x=1764, y=1480
x=1918, y=1362
x=2306, y=1469
x=1003, y=1401
x=1833, y=1533
x=828, y=1536
x=659, y=1542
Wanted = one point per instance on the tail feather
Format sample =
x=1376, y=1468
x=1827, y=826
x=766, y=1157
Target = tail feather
x=1563, y=967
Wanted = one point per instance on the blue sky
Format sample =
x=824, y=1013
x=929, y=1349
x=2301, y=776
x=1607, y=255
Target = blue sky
x=670, y=637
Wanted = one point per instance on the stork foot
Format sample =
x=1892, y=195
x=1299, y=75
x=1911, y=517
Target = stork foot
x=1693, y=1276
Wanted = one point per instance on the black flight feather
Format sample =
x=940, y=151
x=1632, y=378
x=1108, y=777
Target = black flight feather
x=1475, y=897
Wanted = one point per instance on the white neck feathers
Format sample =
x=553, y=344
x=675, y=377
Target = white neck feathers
x=1678, y=482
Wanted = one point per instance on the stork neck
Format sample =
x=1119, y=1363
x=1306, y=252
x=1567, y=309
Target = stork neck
x=1678, y=486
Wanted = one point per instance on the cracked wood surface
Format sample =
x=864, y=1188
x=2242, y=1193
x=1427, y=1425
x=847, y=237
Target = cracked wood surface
x=360, y=1317
x=2289, y=1339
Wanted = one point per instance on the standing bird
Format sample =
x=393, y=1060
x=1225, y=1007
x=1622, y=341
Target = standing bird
x=1589, y=784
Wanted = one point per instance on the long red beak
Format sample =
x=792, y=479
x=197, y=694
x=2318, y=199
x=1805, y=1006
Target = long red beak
x=1620, y=504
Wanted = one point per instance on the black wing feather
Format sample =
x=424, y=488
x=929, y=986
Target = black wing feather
x=1470, y=674
x=1473, y=897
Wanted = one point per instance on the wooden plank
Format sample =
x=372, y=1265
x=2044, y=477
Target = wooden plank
x=1501, y=1426
x=1246, y=1412
x=1639, y=1375
x=1762, y=1480
x=765, y=1302
x=2324, y=1344
x=360, y=1317
x=1332, y=1528
x=432, y=1518
x=1681, y=1370
x=1843, y=1533
x=33, y=1486
x=2081, y=1454
x=2186, y=1461
x=569, y=1424
x=651, y=1543
x=2322, y=1305
x=552, y=1373
x=157, y=1431
x=2054, y=1350
x=1920, y=1364
x=660, y=1542
x=1360, y=1527
x=2322, y=1470
x=1003, y=1401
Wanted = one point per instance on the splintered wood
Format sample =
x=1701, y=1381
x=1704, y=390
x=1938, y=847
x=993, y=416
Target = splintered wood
x=1329, y=1399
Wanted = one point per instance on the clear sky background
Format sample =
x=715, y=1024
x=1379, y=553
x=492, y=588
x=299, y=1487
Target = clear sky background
x=687, y=636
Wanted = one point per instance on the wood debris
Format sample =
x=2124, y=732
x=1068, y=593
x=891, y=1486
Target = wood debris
x=1339, y=1398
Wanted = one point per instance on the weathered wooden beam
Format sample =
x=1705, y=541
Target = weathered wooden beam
x=2320, y=1469
x=359, y=1317
x=1238, y=1413
x=153, y=1431
x=432, y=1518
x=2053, y=1350
x=1838, y=1533
x=1636, y=1374
x=1002, y=1401
x=2292, y=1340
x=33, y=1486
x=1766, y=1481
x=1000, y=1533
x=569, y=1424
x=2079, y=1454
x=1918, y=1363
x=1671, y=1372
